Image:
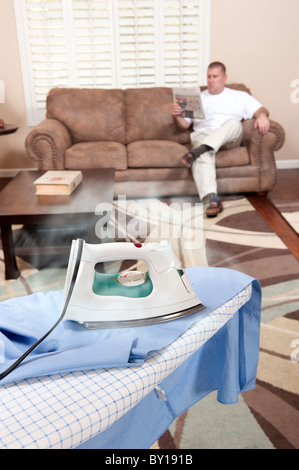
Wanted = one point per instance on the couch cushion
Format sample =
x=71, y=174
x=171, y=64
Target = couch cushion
x=155, y=154
x=96, y=155
x=89, y=114
x=166, y=154
x=148, y=115
x=237, y=156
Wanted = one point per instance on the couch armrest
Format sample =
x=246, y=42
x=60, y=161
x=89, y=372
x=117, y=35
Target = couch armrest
x=261, y=150
x=257, y=144
x=47, y=143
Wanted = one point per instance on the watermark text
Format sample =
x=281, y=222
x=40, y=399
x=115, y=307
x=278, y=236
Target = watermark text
x=295, y=93
x=155, y=220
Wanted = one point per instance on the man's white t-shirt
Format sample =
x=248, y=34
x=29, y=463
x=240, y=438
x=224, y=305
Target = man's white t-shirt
x=226, y=105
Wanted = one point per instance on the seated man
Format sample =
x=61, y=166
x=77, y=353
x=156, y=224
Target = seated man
x=224, y=109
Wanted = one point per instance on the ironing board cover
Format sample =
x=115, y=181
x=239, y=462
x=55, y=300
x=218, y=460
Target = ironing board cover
x=132, y=405
x=72, y=347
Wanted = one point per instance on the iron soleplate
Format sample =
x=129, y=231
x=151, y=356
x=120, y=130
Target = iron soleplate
x=144, y=321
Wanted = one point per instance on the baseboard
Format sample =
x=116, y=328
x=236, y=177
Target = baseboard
x=12, y=172
x=287, y=164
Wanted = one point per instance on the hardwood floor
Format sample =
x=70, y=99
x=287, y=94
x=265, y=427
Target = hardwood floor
x=286, y=189
x=287, y=186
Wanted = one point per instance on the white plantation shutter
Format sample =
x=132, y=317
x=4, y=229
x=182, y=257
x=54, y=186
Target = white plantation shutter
x=93, y=43
x=185, y=42
x=137, y=42
x=110, y=44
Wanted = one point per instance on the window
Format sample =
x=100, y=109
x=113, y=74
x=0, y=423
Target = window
x=110, y=44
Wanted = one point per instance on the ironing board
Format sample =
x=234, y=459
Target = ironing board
x=131, y=407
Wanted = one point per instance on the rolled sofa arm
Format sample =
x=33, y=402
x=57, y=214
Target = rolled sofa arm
x=261, y=150
x=47, y=143
x=257, y=144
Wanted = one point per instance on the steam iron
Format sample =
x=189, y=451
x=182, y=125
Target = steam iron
x=132, y=298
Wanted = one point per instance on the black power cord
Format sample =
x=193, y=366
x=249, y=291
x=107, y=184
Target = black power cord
x=70, y=291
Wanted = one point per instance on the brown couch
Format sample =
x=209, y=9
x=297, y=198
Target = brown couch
x=132, y=131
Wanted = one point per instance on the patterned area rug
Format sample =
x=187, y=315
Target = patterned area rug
x=268, y=416
x=290, y=211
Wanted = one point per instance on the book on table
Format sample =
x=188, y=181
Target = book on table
x=57, y=182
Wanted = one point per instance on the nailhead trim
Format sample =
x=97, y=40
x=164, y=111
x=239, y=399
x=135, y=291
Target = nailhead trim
x=39, y=155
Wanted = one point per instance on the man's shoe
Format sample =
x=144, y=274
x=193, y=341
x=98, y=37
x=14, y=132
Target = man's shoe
x=214, y=205
x=214, y=209
x=189, y=157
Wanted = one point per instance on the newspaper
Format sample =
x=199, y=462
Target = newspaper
x=190, y=101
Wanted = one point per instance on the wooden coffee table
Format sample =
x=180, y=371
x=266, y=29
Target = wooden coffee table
x=20, y=205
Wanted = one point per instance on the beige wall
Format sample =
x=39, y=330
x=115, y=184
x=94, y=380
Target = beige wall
x=12, y=153
x=257, y=39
